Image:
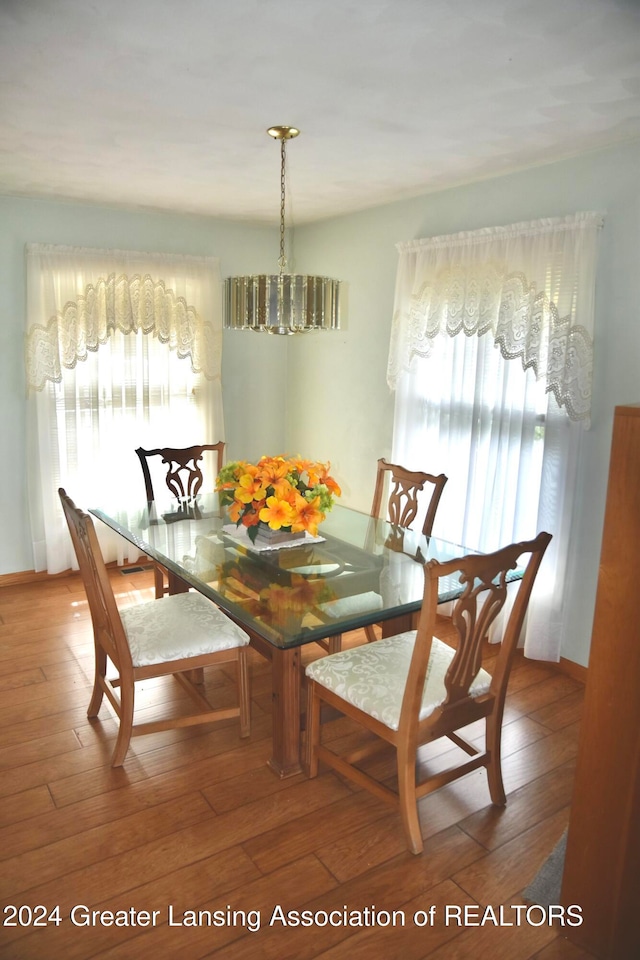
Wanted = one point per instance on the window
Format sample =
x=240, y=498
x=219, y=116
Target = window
x=491, y=356
x=123, y=350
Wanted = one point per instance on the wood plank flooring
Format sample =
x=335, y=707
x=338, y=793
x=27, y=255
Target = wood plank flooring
x=195, y=821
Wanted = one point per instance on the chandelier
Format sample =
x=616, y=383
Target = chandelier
x=282, y=303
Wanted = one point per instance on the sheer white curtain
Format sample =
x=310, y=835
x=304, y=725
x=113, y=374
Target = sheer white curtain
x=122, y=350
x=491, y=357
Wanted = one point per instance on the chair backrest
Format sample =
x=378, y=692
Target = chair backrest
x=107, y=625
x=485, y=579
x=183, y=475
x=404, y=488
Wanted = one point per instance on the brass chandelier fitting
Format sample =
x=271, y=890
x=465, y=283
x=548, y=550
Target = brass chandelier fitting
x=282, y=303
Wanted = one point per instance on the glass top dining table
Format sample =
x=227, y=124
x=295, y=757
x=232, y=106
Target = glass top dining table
x=357, y=571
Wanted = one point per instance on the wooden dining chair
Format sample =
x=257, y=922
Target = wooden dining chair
x=182, y=633
x=402, y=505
x=412, y=688
x=403, y=501
x=183, y=476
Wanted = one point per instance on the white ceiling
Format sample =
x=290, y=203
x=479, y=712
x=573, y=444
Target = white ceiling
x=164, y=103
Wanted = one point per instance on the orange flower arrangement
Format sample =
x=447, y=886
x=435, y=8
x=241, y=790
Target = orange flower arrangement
x=286, y=493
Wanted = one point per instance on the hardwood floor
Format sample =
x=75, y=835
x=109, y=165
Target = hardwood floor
x=195, y=821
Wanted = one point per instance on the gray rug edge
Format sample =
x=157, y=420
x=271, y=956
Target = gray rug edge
x=544, y=889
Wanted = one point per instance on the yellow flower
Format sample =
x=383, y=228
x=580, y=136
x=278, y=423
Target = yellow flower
x=277, y=513
x=249, y=489
x=307, y=516
x=273, y=469
x=283, y=490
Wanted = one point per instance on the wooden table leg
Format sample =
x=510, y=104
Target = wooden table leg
x=397, y=625
x=285, y=707
x=286, y=696
x=177, y=584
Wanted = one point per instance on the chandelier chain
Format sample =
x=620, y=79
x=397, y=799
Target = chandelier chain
x=283, y=260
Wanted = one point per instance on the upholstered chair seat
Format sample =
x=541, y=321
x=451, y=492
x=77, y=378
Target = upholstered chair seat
x=183, y=625
x=373, y=678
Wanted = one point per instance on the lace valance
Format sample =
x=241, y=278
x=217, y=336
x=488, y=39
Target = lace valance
x=79, y=296
x=128, y=304
x=531, y=286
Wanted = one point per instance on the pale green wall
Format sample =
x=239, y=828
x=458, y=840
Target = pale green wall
x=338, y=402
x=253, y=366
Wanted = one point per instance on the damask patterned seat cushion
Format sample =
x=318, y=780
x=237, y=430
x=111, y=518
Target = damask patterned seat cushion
x=182, y=625
x=373, y=677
